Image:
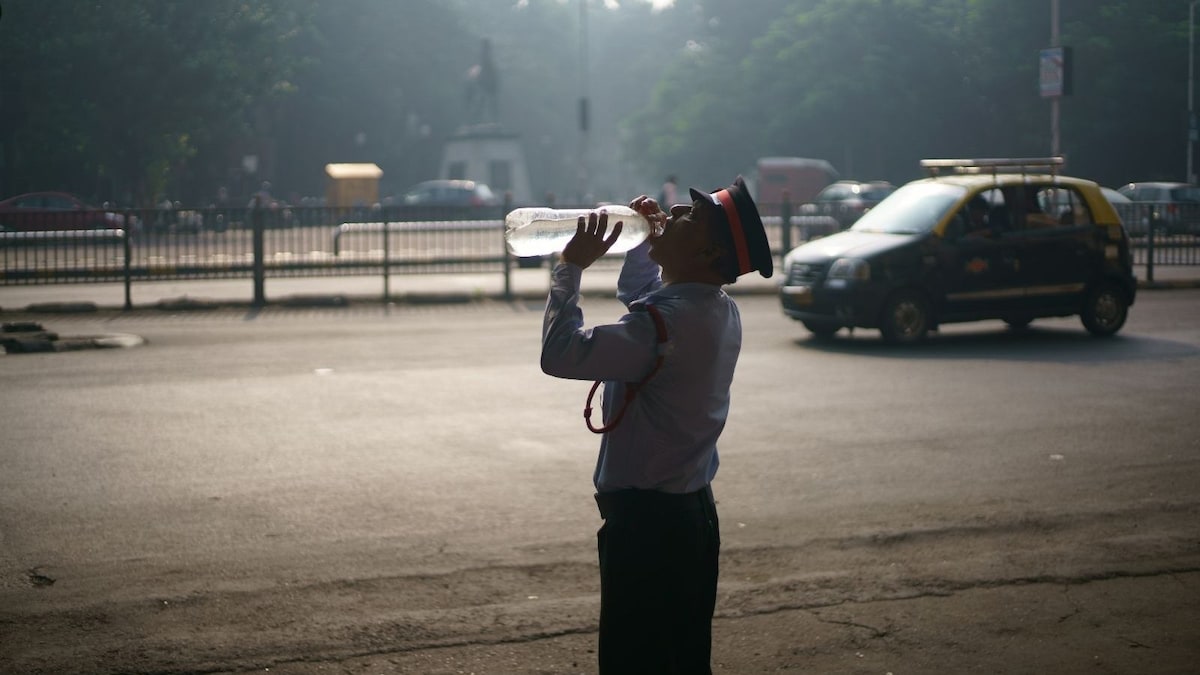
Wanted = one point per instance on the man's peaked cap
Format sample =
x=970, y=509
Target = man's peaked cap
x=742, y=227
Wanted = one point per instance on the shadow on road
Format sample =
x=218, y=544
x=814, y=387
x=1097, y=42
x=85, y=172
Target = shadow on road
x=1033, y=344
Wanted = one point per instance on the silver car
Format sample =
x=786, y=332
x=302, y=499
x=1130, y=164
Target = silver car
x=1174, y=207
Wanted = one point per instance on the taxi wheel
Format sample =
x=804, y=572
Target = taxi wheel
x=820, y=330
x=905, y=318
x=1105, y=310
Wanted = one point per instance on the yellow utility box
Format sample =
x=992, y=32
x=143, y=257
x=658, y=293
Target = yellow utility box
x=352, y=184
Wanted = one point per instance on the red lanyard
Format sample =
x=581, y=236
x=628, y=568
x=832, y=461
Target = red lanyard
x=631, y=388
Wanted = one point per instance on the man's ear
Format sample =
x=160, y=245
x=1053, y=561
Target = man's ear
x=712, y=251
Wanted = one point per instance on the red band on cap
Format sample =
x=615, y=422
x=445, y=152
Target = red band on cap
x=735, y=227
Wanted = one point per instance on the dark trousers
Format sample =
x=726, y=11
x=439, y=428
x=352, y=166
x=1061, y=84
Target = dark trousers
x=658, y=581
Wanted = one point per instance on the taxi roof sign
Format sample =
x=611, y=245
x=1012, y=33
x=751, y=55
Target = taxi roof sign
x=994, y=165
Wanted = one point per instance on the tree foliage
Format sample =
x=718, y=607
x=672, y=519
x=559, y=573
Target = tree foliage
x=875, y=85
x=137, y=100
x=112, y=98
x=378, y=81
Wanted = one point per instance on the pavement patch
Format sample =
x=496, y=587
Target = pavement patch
x=315, y=301
x=61, y=308
x=29, y=337
x=186, y=303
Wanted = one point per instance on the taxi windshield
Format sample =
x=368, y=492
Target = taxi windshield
x=915, y=208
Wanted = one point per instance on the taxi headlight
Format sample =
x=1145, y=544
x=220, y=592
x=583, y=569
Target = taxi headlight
x=845, y=269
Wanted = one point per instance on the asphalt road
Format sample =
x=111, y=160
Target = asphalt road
x=354, y=490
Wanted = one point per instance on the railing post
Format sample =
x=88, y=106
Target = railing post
x=128, y=246
x=1149, y=210
x=387, y=256
x=257, y=217
x=508, y=204
x=552, y=259
x=785, y=218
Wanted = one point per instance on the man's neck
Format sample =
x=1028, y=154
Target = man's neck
x=706, y=276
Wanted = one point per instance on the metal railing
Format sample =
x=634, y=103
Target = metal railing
x=170, y=244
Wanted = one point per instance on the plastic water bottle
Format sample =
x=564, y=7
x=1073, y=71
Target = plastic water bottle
x=540, y=231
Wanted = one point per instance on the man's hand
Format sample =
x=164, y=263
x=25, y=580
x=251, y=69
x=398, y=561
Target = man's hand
x=589, y=242
x=653, y=212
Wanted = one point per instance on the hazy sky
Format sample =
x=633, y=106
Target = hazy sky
x=658, y=4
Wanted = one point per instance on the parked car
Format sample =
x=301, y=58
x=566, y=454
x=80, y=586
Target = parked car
x=1127, y=211
x=1114, y=197
x=1174, y=207
x=449, y=193
x=971, y=242
x=42, y=211
x=846, y=200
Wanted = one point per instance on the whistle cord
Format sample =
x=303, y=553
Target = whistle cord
x=631, y=389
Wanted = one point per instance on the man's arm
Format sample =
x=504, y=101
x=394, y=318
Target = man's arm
x=620, y=351
x=639, y=274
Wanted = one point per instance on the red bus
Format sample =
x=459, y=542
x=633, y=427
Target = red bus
x=801, y=177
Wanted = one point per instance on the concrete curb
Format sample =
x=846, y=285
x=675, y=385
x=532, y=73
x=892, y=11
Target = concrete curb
x=188, y=303
x=1171, y=284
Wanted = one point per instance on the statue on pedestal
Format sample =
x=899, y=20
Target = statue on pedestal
x=481, y=149
x=483, y=89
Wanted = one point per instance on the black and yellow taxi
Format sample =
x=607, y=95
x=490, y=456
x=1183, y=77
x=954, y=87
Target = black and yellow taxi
x=1002, y=238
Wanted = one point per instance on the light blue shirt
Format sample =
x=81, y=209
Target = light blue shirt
x=667, y=440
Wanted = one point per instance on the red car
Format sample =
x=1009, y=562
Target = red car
x=41, y=211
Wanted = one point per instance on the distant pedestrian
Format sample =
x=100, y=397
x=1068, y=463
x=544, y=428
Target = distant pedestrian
x=262, y=198
x=668, y=194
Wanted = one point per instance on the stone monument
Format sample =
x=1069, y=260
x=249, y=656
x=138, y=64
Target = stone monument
x=482, y=149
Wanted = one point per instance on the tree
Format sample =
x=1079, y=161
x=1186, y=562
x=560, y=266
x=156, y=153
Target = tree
x=381, y=82
x=134, y=100
x=876, y=85
x=110, y=99
x=1127, y=118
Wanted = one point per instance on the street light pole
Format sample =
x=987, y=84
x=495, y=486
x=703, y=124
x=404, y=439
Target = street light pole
x=584, y=112
x=1055, y=138
x=1191, y=177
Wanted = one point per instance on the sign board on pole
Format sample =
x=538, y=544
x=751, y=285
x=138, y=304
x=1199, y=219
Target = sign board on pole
x=1055, y=71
